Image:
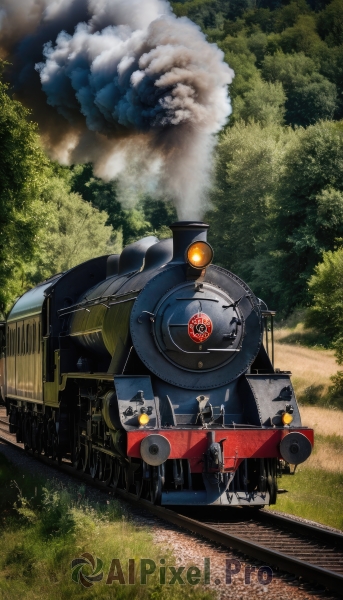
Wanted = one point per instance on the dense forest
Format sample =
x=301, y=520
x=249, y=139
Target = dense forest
x=276, y=204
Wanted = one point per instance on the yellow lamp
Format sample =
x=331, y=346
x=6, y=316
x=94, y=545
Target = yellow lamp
x=287, y=418
x=199, y=255
x=143, y=419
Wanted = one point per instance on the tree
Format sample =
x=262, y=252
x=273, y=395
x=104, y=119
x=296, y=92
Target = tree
x=330, y=23
x=310, y=96
x=23, y=174
x=332, y=68
x=308, y=210
x=148, y=217
x=73, y=232
x=302, y=37
x=246, y=74
x=326, y=311
x=252, y=98
x=103, y=195
x=265, y=104
x=326, y=292
x=247, y=171
x=258, y=45
x=160, y=215
x=287, y=16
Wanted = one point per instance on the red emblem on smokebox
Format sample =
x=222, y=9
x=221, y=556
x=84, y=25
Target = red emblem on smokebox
x=199, y=327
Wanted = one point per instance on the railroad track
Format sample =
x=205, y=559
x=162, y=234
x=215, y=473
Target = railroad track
x=309, y=551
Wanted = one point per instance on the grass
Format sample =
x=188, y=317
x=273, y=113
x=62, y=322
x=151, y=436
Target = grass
x=293, y=331
x=43, y=530
x=313, y=494
x=311, y=371
x=328, y=426
x=325, y=421
x=307, y=354
x=327, y=454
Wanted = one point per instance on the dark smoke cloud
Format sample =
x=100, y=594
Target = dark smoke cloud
x=140, y=93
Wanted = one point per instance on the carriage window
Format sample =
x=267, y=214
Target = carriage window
x=34, y=338
x=22, y=339
x=28, y=339
x=39, y=334
x=18, y=340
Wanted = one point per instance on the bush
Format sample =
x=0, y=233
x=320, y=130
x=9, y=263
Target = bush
x=326, y=288
x=336, y=390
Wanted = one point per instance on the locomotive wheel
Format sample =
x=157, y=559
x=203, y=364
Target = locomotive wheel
x=39, y=433
x=27, y=433
x=94, y=460
x=126, y=480
x=19, y=433
x=144, y=490
x=107, y=473
x=101, y=470
x=50, y=431
x=76, y=451
x=76, y=456
x=55, y=448
x=117, y=474
x=44, y=437
x=262, y=477
x=139, y=481
x=271, y=478
x=156, y=484
x=34, y=434
x=84, y=457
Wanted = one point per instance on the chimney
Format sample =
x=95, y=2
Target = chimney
x=184, y=234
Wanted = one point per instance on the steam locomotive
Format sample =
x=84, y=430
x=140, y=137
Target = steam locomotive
x=151, y=370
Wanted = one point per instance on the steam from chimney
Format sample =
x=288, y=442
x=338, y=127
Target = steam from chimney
x=142, y=93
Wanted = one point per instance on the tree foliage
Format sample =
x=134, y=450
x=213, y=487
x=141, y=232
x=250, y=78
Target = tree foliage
x=248, y=162
x=23, y=175
x=251, y=34
x=277, y=196
x=310, y=96
x=308, y=207
x=44, y=227
x=73, y=232
x=278, y=205
x=148, y=217
x=326, y=311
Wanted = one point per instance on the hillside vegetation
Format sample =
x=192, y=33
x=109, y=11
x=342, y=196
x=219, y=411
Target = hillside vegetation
x=276, y=203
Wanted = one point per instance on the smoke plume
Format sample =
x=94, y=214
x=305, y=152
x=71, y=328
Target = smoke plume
x=123, y=84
